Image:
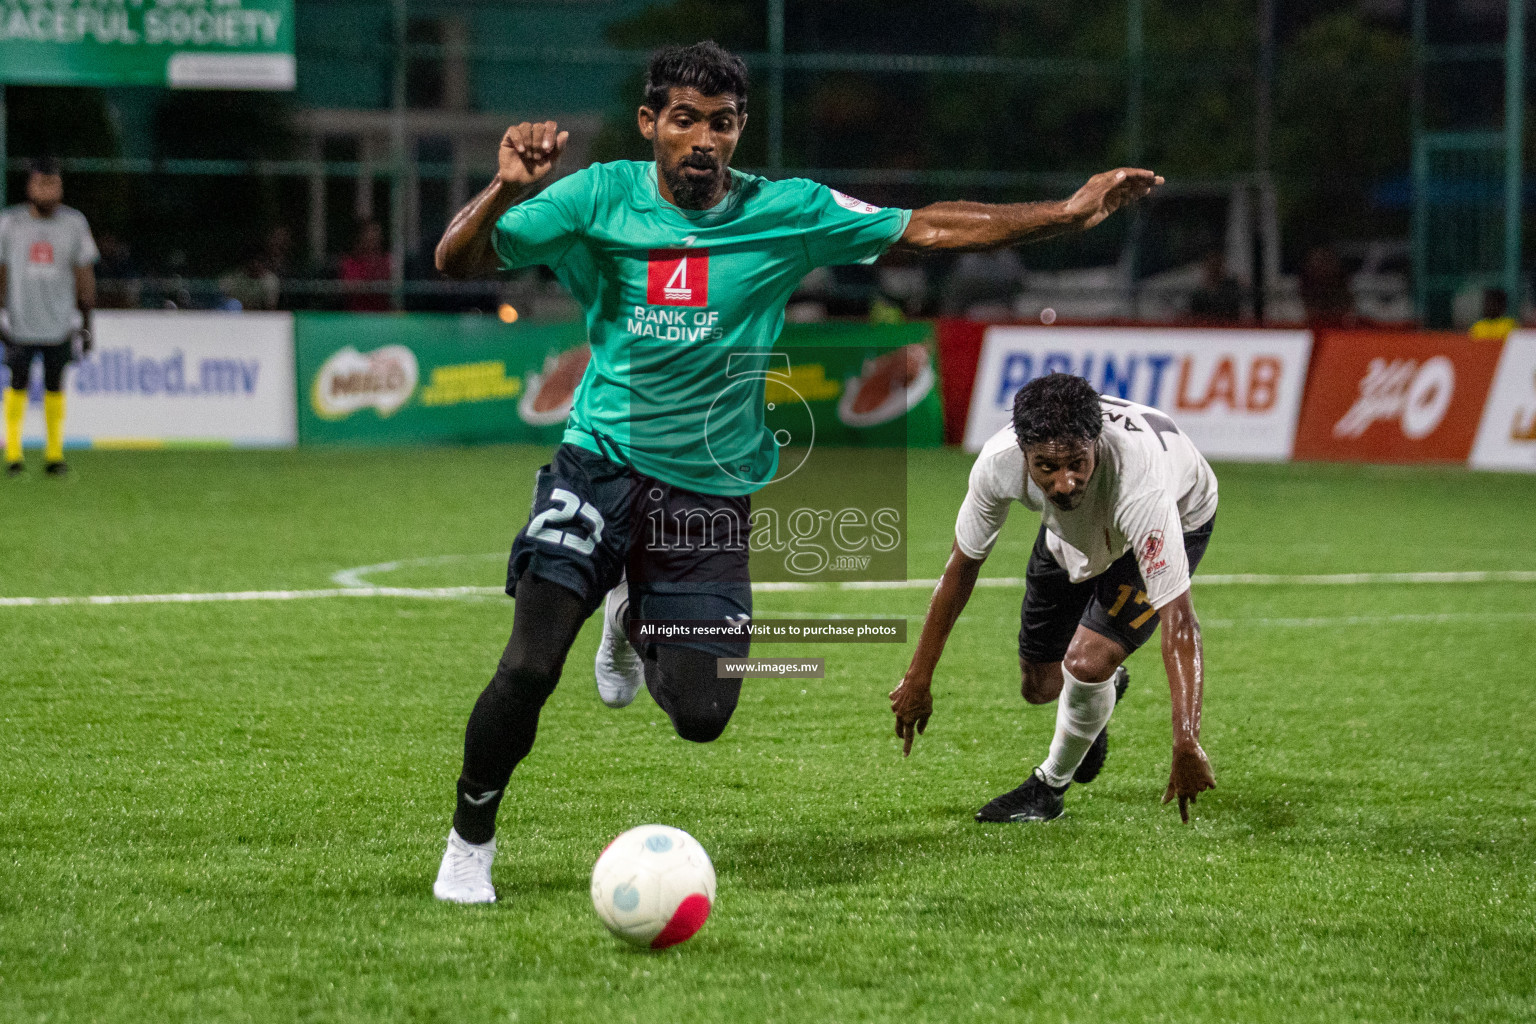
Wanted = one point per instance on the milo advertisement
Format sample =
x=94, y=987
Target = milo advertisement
x=432, y=378
x=863, y=385
x=427, y=378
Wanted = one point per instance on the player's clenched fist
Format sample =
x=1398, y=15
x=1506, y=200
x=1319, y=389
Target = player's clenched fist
x=529, y=152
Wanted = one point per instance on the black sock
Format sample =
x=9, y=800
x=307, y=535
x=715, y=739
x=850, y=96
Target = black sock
x=505, y=720
x=474, y=816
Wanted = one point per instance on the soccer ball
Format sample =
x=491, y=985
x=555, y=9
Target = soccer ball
x=653, y=886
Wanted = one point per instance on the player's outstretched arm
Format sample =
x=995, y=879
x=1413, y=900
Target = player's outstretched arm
x=963, y=226
x=1184, y=659
x=528, y=153
x=912, y=700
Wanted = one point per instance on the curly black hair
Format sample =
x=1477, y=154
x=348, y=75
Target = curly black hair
x=1057, y=407
x=707, y=67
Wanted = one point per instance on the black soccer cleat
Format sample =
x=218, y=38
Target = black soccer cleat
x=56, y=468
x=16, y=469
x=1093, y=761
x=1033, y=801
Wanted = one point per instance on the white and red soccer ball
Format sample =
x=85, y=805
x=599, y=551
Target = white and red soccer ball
x=654, y=886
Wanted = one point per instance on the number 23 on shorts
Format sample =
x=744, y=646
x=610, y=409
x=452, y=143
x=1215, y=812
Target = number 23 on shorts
x=566, y=508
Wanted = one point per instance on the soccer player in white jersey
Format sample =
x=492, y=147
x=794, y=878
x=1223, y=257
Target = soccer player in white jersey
x=1127, y=504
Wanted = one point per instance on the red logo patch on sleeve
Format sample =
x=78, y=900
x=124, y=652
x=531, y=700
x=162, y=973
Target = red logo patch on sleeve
x=41, y=252
x=1153, y=564
x=677, y=277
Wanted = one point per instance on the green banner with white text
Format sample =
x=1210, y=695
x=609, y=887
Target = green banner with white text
x=428, y=378
x=192, y=44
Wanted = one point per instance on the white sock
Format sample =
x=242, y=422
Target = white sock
x=1082, y=711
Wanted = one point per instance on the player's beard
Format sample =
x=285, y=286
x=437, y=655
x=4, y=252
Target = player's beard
x=695, y=192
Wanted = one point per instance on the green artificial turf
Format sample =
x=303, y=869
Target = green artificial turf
x=233, y=812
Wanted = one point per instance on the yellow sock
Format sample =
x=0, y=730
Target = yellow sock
x=53, y=419
x=15, y=412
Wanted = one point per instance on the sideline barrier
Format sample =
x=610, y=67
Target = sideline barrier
x=366, y=378
x=1368, y=395
x=428, y=378
x=157, y=379
x=161, y=379
x=1236, y=393
x=1506, y=437
x=1394, y=396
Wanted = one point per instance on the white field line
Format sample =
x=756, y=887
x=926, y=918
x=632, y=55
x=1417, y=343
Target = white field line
x=1211, y=580
x=367, y=590
x=1307, y=622
x=248, y=595
x=354, y=577
x=1315, y=621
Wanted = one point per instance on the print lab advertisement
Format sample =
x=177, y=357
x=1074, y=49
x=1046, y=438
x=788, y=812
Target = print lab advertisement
x=1506, y=437
x=1236, y=393
x=156, y=379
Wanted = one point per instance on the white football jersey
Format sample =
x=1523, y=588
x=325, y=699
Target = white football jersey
x=1150, y=487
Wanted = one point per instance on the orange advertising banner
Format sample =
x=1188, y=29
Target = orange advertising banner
x=1385, y=396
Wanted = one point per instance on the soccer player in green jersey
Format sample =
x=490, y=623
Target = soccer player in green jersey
x=683, y=267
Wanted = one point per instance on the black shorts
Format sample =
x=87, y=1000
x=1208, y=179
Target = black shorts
x=18, y=359
x=686, y=553
x=1113, y=603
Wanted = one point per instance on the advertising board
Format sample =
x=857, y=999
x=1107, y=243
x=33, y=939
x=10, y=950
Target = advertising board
x=428, y=378
x=198, y=44
x=1390, y=396
x=1506, y=436
x=165, y=378
x=1236, y=393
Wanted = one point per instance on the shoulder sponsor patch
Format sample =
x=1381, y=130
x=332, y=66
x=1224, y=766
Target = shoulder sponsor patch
x=847, y=202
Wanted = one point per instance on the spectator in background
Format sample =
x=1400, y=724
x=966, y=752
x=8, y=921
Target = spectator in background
x=277, y=251
x=252, y=285
x=983, y=285
x=366, y=262
x=1219, y=299
x=118, y=280
x=1496, y=322
x=1325, y=290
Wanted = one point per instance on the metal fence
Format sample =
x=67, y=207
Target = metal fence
x=398, y=169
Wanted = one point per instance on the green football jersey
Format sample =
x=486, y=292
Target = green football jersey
x=682, y=307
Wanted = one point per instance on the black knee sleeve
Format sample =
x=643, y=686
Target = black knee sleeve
x=683, y=683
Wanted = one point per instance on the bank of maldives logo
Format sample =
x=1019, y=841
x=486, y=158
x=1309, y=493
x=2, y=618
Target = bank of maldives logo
x=677, y=277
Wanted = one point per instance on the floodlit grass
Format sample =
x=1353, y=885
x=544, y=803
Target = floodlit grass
x=233, y=812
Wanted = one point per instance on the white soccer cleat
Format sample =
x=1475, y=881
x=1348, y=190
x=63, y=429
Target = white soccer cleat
x=465, y=874
x=619, y=670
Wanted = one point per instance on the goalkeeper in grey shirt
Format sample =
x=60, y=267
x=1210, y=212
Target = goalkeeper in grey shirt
x=47, y=291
